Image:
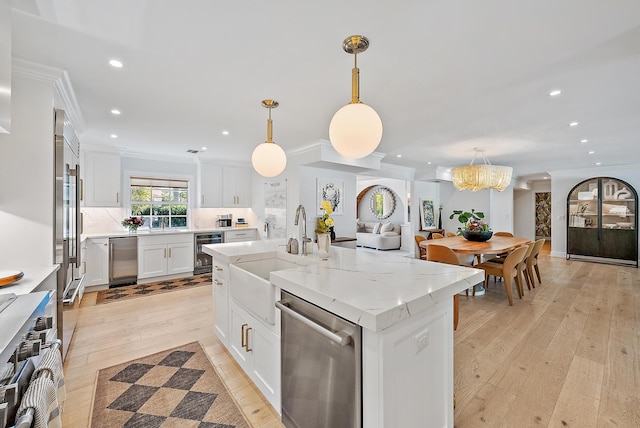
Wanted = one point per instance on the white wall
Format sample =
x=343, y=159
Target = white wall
x=501, y=210
x=401, y=189
x=524, y=213
x=454, y=199
x=561, y=184
x=27, y=177
x=364, y=210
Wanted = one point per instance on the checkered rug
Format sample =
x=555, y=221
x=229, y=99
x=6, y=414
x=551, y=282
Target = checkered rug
x=174, y=388
x=140, y=290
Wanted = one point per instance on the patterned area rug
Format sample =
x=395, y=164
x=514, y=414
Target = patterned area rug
x=174, y=388
x=141, y=290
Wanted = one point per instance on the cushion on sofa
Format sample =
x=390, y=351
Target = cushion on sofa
x=376, y=228
x=387, y=227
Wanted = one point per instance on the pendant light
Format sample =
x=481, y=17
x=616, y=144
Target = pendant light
x=268, y=158
x=481, y=176
x=355, y=130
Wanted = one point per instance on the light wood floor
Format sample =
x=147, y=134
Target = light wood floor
x=568, y=354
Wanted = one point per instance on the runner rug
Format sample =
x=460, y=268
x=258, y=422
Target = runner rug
x=174, y=388
x=140, y=290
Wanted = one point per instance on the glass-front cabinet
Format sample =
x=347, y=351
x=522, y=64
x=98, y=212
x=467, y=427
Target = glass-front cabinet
x=602, y=221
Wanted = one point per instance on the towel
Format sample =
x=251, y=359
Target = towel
x=52, y=362
x=41, y=397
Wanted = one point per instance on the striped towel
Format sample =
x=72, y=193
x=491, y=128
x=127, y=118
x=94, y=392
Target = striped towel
x=52, y=362
x=41, y=397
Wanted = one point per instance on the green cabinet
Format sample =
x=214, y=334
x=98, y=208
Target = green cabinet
x=602, y=221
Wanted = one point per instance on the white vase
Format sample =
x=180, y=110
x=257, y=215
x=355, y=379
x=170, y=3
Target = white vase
x=324, y=243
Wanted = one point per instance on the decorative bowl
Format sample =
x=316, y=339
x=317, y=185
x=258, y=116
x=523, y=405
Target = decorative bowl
x=477, y=236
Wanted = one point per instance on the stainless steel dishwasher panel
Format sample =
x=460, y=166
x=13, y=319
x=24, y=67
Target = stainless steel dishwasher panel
x=321, y=367
x=123, y=261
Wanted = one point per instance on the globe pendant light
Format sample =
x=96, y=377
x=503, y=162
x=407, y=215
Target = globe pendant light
x=483, y=176
x=356, y=129
x=268, y=158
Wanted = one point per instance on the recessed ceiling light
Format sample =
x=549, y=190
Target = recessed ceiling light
x=598, y=163
x=204, y=148
x=573, y=124
x=428, y=163
x=555, y=93
x=591, y=152
x=114, y=136
x=115, y=111
x=225, y=132
x=584, y=141
x=449, y=170
x=115, y=63
x=398, y=156
x=545, y=177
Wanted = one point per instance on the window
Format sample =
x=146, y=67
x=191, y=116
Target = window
x=160, y=202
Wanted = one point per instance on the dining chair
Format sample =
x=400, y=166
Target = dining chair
x=507, y=270
x=442, y=254
x=503, y=234
x=532, y=262
x=522, y=266
x=449, y=234
x=423, y=251
x=437, y=236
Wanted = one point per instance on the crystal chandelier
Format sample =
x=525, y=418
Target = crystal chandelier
x=356, y=129
x=481, y=176
x=268, y=159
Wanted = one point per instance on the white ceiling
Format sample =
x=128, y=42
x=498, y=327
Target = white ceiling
x=445, y=75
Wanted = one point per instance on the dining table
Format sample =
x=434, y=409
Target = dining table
x=495, y=245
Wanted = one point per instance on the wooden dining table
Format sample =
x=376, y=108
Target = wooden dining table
x=495, y=245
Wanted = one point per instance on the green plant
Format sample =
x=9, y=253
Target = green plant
x=472, y=221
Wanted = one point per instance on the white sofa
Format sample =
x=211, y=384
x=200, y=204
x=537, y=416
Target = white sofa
x=378, y=235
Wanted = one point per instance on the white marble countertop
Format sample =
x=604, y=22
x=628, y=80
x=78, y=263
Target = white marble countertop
x=33, y=277
x=162, y=232
x=373, y=289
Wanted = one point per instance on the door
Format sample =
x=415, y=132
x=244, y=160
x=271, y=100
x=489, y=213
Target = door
x=221, y=301
x=152, y=260
x=239, y=330
x=179, y=258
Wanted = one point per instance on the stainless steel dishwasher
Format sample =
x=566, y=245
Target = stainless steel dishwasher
x=321, y=357
x=123, y=261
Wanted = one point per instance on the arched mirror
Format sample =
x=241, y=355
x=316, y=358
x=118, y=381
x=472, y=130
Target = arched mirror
x=382, y=202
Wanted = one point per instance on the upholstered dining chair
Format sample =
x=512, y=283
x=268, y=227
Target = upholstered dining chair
x=442, y=254
x=507, y=270
x=532, y=262
x=423, y=251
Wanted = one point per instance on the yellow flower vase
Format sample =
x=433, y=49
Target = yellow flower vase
x=324, y=243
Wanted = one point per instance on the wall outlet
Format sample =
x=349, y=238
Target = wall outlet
x=421, y=340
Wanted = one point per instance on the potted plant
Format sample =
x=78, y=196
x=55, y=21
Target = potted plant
x=474, y=227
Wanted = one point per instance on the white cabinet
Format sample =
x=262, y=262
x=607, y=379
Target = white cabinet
x=237, y=187
x=240, y=235
x=96, y=262
x=221, y=299
x=257, y=349
x=210, y=186
x=102, y=182
x=165, y=255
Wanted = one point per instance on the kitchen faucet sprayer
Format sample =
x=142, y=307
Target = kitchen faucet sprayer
x=304, y=240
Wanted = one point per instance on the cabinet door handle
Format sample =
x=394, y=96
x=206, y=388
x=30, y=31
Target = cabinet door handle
x=169, y=252
x=218, y=268
x=243, y=337
x=246, y=340
x=117, y=197
x=217, y=282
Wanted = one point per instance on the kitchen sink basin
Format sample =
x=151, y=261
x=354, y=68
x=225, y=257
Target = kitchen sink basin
x=250, y=286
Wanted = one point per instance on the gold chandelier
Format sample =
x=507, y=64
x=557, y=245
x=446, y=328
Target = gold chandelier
x=355, y=130
x=481, y=176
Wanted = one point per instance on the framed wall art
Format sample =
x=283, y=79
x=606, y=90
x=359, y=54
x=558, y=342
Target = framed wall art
x=332, y=191
x=427, y=218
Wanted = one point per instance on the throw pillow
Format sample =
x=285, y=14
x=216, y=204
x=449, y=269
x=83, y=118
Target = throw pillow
x=387, y=227
x=360, y=225
x=376, y=228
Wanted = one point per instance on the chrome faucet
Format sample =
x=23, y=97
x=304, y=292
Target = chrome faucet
x=304, y=240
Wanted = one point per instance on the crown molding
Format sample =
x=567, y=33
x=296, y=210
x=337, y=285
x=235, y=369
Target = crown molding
x=33, y=70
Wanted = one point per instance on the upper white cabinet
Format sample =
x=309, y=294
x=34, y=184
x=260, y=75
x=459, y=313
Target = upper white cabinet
x=224, y=186
x=102, y=182
x=237, y=187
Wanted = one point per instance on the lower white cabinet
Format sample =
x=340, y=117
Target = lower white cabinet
x=96, y=261
x=221, y=299
x=257, y=349
x=165, y=255
x=240, y=235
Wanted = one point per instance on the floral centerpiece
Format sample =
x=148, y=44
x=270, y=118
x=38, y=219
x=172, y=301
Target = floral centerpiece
x=133, y=223
x=323, y=228
x=474, y=227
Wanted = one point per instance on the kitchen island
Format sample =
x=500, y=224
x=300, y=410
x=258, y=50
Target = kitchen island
x=405, y=309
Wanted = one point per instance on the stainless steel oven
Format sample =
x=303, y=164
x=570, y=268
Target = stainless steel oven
x=202, y=261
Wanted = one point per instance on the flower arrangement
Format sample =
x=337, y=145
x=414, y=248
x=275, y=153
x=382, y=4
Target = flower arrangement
x=133, y=223
x=472, y=221
x=325, y=223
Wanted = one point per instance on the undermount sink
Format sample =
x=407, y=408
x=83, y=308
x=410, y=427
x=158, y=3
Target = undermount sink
x=250, y=286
